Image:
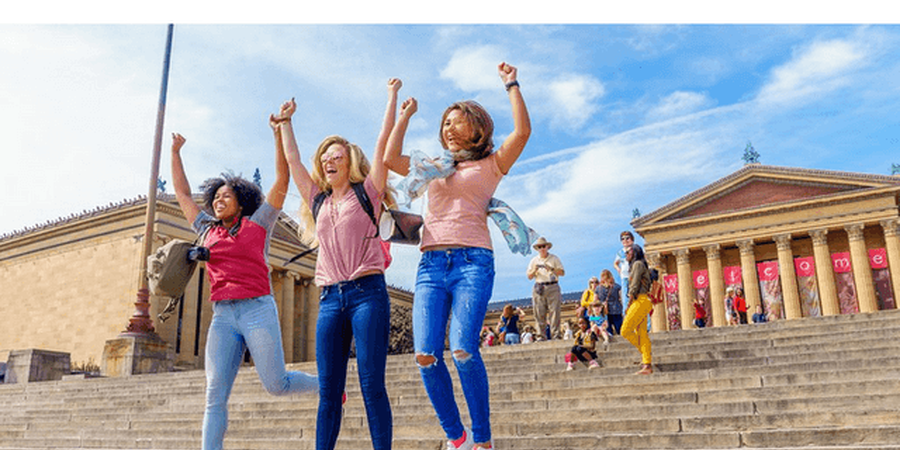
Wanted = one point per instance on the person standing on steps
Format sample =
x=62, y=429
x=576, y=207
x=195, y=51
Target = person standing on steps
x=545, y=269
x=634, y=328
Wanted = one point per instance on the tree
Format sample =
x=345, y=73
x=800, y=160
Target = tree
x=257, y=178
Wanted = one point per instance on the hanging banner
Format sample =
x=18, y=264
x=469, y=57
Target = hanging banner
x=671, y=282
x=733, y=276
x=878, y=258
x=881, y=276
x=673, y=308
x=841, y=262
x=806, y=284
x=770, y=290
x=843, y=280
x=701, y=279
x=805, y=267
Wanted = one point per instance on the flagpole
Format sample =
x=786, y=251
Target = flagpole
x=140, y=323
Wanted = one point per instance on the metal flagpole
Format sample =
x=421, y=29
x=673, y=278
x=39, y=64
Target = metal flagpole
x=140, y=323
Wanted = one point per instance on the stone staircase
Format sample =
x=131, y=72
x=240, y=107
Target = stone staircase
x=824, y=383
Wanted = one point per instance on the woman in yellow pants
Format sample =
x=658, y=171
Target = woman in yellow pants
x=634, y=327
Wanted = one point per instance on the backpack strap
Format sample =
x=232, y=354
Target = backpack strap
x=363, y=198
x=317, y=203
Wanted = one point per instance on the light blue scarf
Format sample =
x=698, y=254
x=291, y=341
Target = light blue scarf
x=423, y=169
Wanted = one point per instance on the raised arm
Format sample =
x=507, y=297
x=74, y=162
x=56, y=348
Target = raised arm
x=180, y=182
x=514, y=144
x=393, y=159
x=278, y=191
x=298, y=171
x=379, y=172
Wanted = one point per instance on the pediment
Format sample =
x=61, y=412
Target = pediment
x=757, y=186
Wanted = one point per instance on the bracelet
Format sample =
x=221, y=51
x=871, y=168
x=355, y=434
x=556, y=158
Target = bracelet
x=511, y=84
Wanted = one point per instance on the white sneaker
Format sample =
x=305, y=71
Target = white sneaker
x=478, y=447
x=466, y=445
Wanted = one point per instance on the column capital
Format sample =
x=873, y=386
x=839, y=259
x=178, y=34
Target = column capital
x=891, y=226
x=855, y=231
x=683, y=256
x=746, y=246
x=819, y=236
x=654, y=259
x=712, y=251
x=783, y=241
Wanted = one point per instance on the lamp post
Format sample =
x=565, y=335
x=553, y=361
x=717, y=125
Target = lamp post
x=138, y=349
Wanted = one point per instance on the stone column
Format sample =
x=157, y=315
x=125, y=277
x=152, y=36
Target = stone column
x=892, y=242
x=788, y=277
x=685, y=287
x=658, y=319
x=749, y=275
x=716, y=284
x=825, y=273
x=862, y=273
x=287, y=315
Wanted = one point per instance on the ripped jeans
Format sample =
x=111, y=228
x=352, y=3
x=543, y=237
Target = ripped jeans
x=454, y=285
x=237, y=325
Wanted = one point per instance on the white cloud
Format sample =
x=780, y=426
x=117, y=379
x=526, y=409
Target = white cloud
x=816, y=69
x=573, y=99
x=473, y=69
x=679, y=103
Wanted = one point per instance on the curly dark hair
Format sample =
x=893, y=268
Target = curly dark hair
x=249, y=195
x=637, y=253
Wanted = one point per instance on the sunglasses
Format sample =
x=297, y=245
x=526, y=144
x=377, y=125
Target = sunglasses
x=627, y=238
x=540, y=246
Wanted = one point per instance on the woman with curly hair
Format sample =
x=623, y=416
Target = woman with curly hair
x=634, y=327
x=349, y=271
x=237, y=222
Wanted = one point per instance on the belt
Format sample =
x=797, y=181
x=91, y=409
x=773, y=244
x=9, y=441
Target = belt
x=548, y=283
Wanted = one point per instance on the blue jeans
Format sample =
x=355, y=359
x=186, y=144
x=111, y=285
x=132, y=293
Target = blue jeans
x=359, y=308
x=512, y=339
x=238, y=325
x=454, y=285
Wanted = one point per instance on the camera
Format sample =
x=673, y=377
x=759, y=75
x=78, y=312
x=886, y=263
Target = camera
x=198, y=254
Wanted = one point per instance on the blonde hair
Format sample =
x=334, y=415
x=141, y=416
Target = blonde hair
x=359, y=170
x=606, y=278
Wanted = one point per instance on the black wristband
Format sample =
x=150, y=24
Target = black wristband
x=511, y=84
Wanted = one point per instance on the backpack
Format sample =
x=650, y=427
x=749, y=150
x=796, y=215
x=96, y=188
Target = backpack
x=170, y=269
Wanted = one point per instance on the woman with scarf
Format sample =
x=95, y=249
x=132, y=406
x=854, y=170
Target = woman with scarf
x=238, y=223
x=456, y=272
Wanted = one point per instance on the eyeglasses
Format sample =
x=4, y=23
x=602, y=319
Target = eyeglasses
x=335, y=158
x=627, y=238
x=540, y=246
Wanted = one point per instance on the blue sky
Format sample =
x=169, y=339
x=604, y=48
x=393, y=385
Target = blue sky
x=624, y=116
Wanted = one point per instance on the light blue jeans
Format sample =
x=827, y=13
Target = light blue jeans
x=238, y=325
x=358, y=308
x=454, y=285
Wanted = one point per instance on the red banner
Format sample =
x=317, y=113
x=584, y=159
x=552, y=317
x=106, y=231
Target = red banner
x=701, y=279
x=671, y=283
x=805, y=267
x=878, y=258
x=767, y=271
x=841, y=262
x=732, y=275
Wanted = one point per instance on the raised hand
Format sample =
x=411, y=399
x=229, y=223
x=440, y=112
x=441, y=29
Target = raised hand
x=287, y=110
x=177, y=142
x=409, y=107
x=507, y=72
x=394, y=85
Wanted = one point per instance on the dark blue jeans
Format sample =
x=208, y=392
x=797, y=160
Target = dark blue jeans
x=454, y=285
x=359, y=308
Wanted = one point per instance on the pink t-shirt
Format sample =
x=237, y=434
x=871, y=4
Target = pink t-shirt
x=346, y=250
x=457, y=205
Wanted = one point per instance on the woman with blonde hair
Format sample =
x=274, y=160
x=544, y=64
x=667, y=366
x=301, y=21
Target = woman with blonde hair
x=610, y=294
x=456, y=272
x=349, y=271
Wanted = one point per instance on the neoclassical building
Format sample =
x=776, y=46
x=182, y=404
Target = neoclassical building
x=799, y=242
x=70, y=285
